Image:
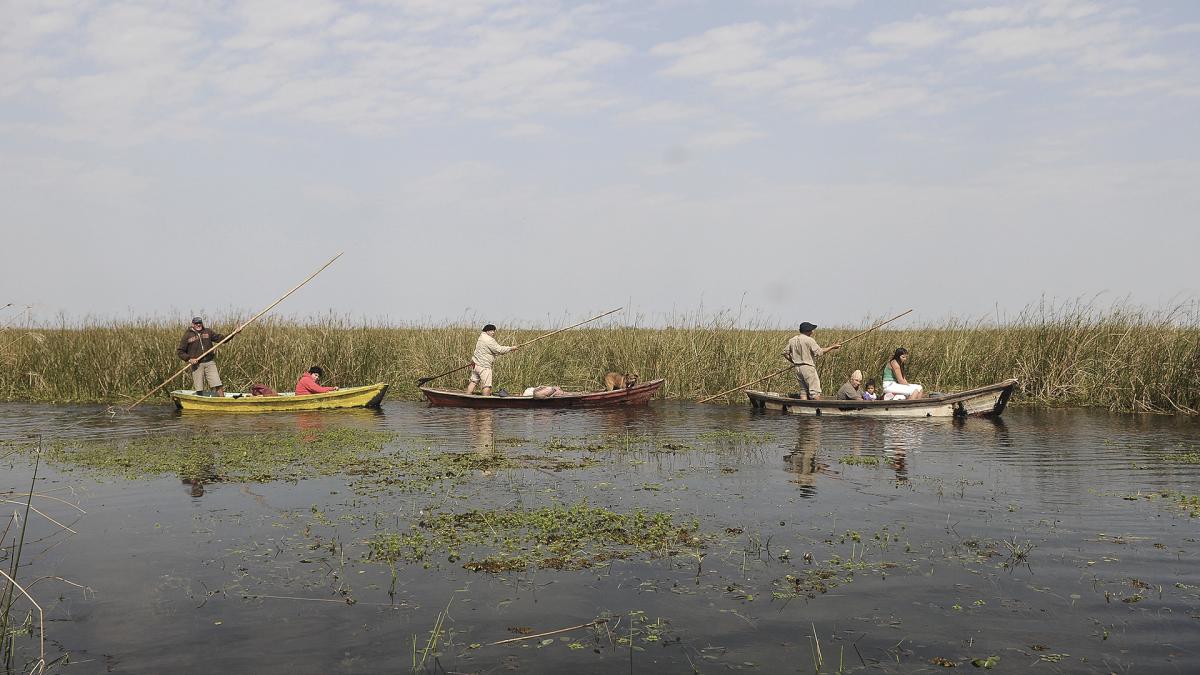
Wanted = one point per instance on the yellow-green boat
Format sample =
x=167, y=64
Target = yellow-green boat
x=369, y=396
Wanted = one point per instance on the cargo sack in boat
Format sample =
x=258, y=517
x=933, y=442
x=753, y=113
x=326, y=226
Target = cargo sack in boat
x=262, y=390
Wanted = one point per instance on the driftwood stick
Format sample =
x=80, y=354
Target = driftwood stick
x=595, y=622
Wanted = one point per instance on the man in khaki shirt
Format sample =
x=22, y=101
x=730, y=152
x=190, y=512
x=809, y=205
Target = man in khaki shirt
x=486, y=350
x=803, y=350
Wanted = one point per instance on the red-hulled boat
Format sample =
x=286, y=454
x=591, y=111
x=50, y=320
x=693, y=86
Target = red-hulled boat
x=636, y=395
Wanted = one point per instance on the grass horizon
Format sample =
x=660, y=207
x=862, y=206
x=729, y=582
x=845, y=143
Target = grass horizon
x=1119, y=358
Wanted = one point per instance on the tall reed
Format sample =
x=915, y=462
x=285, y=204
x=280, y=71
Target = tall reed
x=1118, y=358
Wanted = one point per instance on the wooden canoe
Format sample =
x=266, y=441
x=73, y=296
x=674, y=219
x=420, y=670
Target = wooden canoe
x=988, y=401
x=369, y=396
x=637, y=395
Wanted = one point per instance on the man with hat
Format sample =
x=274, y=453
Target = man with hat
x=486, y=350
x=197, y=340
x=802, y=350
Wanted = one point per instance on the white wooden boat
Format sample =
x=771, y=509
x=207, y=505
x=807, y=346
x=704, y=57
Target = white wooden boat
x=986, y=401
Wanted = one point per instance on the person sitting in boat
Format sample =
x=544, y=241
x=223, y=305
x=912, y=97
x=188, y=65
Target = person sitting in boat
x=544, y=391
x=850, y=390
x=309, y=382
x=486, y=350
x=894, y=382
x=869, y=393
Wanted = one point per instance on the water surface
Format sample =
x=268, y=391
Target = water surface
x=1043, y=538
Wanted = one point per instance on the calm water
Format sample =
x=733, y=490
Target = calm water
x=925, y=544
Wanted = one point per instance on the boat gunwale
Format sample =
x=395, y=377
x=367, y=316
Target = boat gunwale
x=246, y=399
x=617, y=395
x=944, y=399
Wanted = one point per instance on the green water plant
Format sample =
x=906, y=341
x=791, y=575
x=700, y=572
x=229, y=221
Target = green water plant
x=552, y=537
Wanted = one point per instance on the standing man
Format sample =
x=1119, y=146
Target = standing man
x=195, y=342
x=803, y=351
x=486, y=350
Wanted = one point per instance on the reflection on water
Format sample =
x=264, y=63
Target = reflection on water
x=803, y=460
x=913, y=557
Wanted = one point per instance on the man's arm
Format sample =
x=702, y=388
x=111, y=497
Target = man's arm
x=496, y=347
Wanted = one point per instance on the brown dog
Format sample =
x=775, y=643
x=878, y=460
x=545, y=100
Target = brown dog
x=615, y=381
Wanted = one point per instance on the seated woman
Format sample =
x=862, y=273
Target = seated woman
x=309, y=382
x=894, y=382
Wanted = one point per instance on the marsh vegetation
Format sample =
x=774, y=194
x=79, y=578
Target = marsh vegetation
x=1119, y=358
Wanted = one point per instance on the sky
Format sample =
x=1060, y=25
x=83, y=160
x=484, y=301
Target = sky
x=536, y=162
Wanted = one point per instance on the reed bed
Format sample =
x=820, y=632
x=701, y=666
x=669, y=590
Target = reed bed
x=1118, y=358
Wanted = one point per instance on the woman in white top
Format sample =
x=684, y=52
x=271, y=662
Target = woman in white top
x=894, y=382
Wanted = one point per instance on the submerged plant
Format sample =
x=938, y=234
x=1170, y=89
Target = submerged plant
x=554, y=537
x=15, y=622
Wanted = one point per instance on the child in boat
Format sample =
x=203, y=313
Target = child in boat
x=544, y=391
x=309, y=382
x=869, y=391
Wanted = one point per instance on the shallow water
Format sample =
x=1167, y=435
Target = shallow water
x=1032, y=538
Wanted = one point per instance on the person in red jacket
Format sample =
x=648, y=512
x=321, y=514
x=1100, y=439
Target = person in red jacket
x=309, y=382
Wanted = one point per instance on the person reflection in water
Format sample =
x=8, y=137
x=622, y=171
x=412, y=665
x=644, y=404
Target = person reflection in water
x=899, y=438
x=481, y=428
x=803, y=461
x=205, y=472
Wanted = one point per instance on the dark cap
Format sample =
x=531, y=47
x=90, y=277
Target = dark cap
x=806, y=326
x=196, y=319
x=490, y=326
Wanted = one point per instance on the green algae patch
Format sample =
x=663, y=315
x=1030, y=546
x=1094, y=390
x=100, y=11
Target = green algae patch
x=229, y=457
x=860, y=460
x=553, y=537
x=370, y=459
x=710, y=441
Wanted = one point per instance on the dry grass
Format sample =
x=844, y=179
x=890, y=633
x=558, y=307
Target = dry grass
x=1118, y=358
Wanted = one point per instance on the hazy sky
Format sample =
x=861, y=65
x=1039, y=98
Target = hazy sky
x=818, y=160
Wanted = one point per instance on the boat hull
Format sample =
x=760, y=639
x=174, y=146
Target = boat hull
x=988, y=401
x=370, y=396
x=637, y=395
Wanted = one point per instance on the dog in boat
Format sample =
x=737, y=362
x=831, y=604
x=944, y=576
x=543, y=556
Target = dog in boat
x=615, y=381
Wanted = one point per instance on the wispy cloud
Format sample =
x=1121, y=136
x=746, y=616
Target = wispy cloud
x=916, y=34
x=374, y=69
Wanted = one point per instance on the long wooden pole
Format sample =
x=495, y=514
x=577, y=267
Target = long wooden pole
x=421, y=382
x=784, y=370
x=237, y=330
x=563, y=330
